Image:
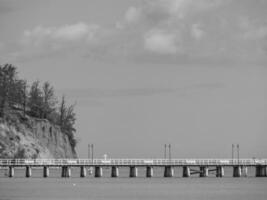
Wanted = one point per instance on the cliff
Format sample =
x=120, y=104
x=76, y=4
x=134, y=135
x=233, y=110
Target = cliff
x=27, y=137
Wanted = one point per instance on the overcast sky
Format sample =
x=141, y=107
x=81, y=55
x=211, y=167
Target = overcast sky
x=148, y=72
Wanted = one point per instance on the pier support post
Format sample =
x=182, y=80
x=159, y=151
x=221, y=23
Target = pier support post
x=68, y=171
x=264, y=171
x=114, y=172
x=204, y=171
x=133, y=171
x=261, y=171
x=83, y=171
x=168, y=171
x=258, y=171
x=11, y=172
x=149, y=171
x=46, y=171
x=244, y=170
x=98, y=172
x=63, y=171
x=28, y=171
x=186, y=171
x=237, y=171
x=219, y=171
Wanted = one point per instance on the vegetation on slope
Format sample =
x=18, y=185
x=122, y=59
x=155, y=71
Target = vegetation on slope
x=35, y=100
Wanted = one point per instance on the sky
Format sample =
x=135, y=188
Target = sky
x=144, y=73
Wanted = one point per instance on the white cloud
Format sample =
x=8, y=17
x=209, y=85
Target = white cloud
x=69, y=33
x=190, y=29
x=73, y=32
x=48, y=41
x=197, y=32
x=132, y=14
x=179, y=8
x=160, y=42
x=204, y=27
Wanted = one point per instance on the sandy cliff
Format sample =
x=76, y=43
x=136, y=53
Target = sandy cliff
x=33, y=138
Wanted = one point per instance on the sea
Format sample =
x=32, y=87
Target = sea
x=125, y=188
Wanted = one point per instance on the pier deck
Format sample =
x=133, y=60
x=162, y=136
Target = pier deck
x=205, y=166
x=132, y=162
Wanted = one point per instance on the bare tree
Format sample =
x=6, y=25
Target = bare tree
x=62, y=111
x=35, y=100
x=18, y=94
x=49, y=99
x=67, y=119
x=7, y=80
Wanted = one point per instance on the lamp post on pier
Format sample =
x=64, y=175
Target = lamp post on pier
x=169, y=151
x=237, y=153
x=165, y=151
x=233, y=147
x=92, y=146
x=89, y=153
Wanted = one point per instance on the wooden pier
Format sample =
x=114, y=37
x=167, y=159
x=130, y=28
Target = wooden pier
x=205, y=166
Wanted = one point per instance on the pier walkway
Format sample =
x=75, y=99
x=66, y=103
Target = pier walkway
x=188, y=165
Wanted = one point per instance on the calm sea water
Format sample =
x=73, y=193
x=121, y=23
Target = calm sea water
x=125, y=188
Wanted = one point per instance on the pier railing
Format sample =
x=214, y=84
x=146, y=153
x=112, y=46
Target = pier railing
x=132, y=162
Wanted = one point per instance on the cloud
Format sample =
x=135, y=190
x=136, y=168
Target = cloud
x=179, y=8
x=74, y=32
x=46, y=41
x=132, y=14
x=174, y=31
x=168, y=27
x=203, y=30
x=160, y=42
x=68, y=33
x=197, y=32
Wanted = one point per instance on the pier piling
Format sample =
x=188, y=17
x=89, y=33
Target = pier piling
x=98, y=172
x=28, y=171
x=11, y=172
x=237, y=171
x=63, y=171
x=168, y=171
x=204, y=171
x=114, y=172
x=149, y=172
x=46, y=171
x=219, y=171
x=133, y=171
x=186, y=172
x=261, y=171
x=244, y=170
x=82, y=171
x=66, y=172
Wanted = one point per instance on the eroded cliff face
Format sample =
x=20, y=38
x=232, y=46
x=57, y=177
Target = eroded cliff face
x=33, y=138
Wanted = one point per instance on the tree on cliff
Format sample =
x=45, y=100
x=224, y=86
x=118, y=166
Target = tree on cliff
x=49, y=100
x=67, y=119
x=39, y=102
x=18, y=95
x=35, y=100
x=8, y=82
x=62, y=111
